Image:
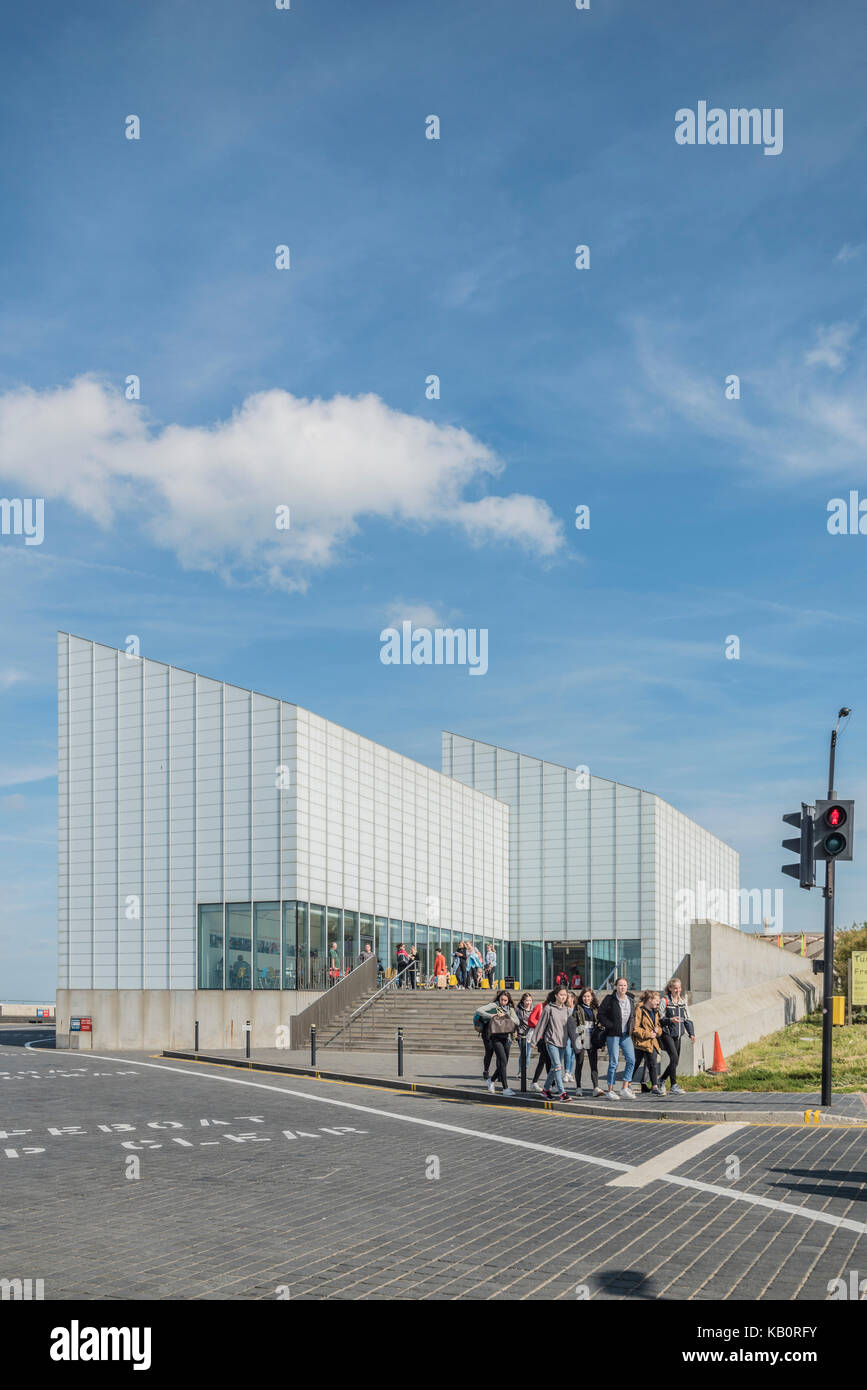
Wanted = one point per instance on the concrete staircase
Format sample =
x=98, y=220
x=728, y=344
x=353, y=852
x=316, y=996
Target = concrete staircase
x=432, y=1021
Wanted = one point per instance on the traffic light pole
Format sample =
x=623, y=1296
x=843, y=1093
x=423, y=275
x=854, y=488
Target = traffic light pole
x=828, y=973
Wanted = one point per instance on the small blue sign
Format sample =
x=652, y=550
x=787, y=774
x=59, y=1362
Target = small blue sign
x=75, y=1025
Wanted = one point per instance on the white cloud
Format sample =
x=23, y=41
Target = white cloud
x=833, y=344
x=419, y=614
x=210, y=493
x=848, y=252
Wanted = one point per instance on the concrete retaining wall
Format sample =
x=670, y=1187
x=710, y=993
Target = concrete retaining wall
x=749, y=1014
x=723, y=960
x=134, y=1019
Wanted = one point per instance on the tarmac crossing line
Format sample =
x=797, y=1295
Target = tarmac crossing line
x=729, y=1194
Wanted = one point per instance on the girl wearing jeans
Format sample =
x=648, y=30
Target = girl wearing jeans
x=617, y=1017
x=555, y=1027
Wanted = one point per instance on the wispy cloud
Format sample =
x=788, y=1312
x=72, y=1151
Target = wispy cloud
x=832, y=345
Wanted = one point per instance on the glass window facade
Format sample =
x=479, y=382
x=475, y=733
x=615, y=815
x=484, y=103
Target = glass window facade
x=211, y=946
x=266, y=945
x=257, y=937
x=238, y=953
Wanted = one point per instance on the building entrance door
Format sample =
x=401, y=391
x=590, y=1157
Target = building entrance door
x=569, y=960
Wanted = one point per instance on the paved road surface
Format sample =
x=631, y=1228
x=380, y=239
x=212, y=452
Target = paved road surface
x=127, y=1176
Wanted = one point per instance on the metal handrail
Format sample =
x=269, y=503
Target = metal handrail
x=389, y=984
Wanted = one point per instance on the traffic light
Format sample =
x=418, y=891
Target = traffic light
x=804, y=871
x=833, y=829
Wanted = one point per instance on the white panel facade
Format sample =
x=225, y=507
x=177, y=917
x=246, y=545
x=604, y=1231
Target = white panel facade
x=595, y=861
x=176, y=790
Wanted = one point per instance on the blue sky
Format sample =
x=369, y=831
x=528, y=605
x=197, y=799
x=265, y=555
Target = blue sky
x=559, y=387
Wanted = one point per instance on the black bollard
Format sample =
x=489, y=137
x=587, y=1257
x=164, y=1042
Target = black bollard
x=248, y=1031
x=400, y=1052
x=523, y=1066
x=313, y=1044
x=197, y=1036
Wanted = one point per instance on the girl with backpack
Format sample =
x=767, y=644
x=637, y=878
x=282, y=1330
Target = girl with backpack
x=499, y=1023
x=676, y=1020
x=646, y=1033
x=586, y=1014
x=556, y=1026
x=617, y=1017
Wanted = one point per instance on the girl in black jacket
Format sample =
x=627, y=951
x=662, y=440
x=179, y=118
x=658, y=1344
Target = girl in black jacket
x=586, y=1012
x=617, y=1016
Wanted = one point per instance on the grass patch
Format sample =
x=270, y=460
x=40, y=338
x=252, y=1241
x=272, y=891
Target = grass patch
x=791, y=1060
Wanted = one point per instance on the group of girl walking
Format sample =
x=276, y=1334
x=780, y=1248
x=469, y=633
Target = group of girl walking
x=569, y=1029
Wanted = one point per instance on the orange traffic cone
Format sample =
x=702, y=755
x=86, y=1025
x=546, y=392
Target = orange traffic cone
x=719, y=1061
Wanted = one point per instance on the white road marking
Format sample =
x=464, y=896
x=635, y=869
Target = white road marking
x=672, y=1158
x=789, y=1208
x=730, y=1194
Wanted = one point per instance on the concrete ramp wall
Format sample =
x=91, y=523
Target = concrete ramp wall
x=724, y=960
x=746, y=1015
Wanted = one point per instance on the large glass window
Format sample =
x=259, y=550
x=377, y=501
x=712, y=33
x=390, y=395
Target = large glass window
x=531, y=965
x=395, y=935
x=604, y=964
x=366, y=933
x=292, y=944
x=382, y=941
x=629, y=961
x=238, y=968
x=425, y=965
x=266, y=945
x=335, y=944
x=350, y=940
x=211, y=952
x=317, y=973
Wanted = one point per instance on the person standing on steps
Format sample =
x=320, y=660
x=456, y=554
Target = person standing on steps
x=440, y=969
x=617, y=1017
x=646, y=1033
x=490, y=964
x=402, y=961
x=676, y=1020
x=462, y=953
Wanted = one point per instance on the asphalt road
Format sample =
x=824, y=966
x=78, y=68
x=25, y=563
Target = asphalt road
x=135, y=1177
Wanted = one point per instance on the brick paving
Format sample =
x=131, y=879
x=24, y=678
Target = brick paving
x=227, y=1205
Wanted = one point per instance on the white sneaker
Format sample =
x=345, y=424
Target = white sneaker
x=627, y=1094
x=677, y=1091
x=598, y=1091
x=490, y=1086
x=537, y=1086
x=507, y=1091
x=612, y=1094
x=568, y=1079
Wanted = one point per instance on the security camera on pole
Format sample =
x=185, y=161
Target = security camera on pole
x=826, y=833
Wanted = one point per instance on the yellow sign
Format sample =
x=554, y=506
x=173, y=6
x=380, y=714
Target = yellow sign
x=859, y=977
